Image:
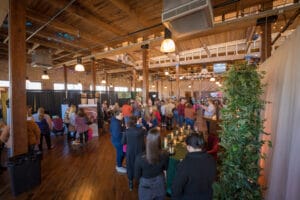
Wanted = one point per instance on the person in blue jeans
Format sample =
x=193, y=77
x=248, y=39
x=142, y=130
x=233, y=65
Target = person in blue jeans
x=116, y=131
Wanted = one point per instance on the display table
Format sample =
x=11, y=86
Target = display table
x=180, y=152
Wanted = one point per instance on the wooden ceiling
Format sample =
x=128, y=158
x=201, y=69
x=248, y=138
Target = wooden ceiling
x=110, y=29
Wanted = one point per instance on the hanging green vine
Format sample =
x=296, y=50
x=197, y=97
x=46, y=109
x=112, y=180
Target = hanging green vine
x=240, y=135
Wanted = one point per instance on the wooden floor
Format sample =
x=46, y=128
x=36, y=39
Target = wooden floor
x=83, y=174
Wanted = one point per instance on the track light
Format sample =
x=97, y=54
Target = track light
x=79, y=67
x=168, y=45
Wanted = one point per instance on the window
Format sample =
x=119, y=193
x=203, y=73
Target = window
x=138, y=89
x=33, y=85
x=58, y=86
x=121, y=89
x=74, y=86
x=98, y=88
x=4, y=83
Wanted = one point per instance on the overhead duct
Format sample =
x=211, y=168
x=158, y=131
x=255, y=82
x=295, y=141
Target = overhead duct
x=187, y=17
x=42, y=58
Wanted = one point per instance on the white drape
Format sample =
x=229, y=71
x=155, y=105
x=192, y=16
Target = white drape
x=282, y=167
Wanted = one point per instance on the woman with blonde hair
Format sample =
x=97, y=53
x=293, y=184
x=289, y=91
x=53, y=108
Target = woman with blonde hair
x=150, y=167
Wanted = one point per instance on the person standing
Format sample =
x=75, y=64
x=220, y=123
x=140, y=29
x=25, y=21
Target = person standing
x=150, y=167
x=134, y=139
x=41, y=119
x=180, y=109
x=116, y=130
x=33, y=133
x=81, y=125
x=196, y=173
x=209, y=112
x=189, y=114
x=4, y=136
x=127, y=111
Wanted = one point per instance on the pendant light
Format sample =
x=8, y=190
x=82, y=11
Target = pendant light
x=79, y=67
x=45, y=76
x=168, y=45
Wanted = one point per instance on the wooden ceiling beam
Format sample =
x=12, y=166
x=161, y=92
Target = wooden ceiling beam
x=3, y=11
x=52, y=37
x=34, y=46
x=88, y=17
x=131, y=12
x=55, y=24
x=240, y=23
x=52, y=45
x=117, y=51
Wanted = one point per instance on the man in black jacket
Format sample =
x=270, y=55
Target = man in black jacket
x=196, y=173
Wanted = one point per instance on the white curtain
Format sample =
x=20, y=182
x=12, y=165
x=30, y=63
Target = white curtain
x=282, y=114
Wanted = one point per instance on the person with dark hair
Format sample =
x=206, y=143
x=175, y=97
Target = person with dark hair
x=116, y=129
x=134, y=138
x=42, y=121
x=150, y=167
x=196, y=173
x=81, y=125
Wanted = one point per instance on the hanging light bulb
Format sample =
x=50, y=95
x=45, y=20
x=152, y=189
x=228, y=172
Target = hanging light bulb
x=168, y=45
x=79, y=67
x=103, y=81
x=45, y=76
x=111, y=85
x=27, y=80
x=212, y=79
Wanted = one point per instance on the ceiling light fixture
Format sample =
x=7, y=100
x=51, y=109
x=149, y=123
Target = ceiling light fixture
x=168, y=45
x=212, y=79
x=103, y=81
x=27, y=80
x=45, y=76
x=111, y=85
x=79, y=67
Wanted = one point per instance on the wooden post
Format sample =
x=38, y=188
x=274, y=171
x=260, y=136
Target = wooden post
x=266, y=37
x=17, y=74
x=66, y=81
x=93, y=77
x=106, y=87
x=266, y=41
x=145, y=88
x=161, y=88
x=134, y=80
x=177, y=82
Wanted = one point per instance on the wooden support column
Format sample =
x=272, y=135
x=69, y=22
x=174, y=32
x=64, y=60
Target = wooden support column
x=266, y=37
x=66, y=81
x=17, y=75
x=192, y=85
x=106, y=86
x=134, y=79
x=145, y=88
x=93, y=77
x=177, y=82
x=266, y=40
x=161, y=88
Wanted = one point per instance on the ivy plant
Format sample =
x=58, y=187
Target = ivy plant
x=241, y=125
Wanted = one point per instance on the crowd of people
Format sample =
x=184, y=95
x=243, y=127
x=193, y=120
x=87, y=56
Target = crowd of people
x=136, y=136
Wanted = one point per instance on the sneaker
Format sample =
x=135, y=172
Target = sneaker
x=121, y=170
